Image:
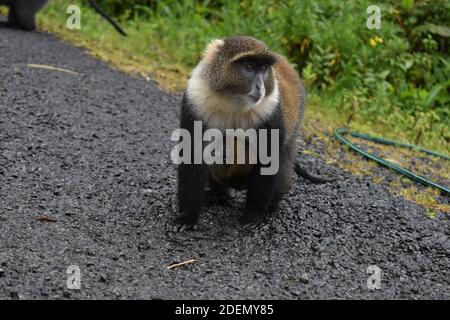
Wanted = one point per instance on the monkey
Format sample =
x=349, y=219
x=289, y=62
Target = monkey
x=22, y=14
x=240, y=84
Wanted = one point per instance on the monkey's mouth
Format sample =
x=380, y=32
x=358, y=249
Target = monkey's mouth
x=249, y=99
x=254, y=98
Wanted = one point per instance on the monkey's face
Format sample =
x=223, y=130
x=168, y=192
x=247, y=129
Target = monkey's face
x=240, y=68
x=254, y=78
x=247, y=80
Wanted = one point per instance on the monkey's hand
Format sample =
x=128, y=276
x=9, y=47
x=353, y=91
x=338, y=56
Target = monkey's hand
x=185, y=222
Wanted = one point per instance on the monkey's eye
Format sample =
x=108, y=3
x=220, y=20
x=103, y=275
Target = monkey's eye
x=263, y=68
x=249, y=67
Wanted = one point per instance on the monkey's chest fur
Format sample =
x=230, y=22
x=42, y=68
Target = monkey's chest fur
x=234, y=175
x=220, y=112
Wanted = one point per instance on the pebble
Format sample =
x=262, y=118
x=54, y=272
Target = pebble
x=304, y=278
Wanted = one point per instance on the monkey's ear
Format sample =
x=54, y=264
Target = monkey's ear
x=211, y=49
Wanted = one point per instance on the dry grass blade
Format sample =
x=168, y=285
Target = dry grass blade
x=176, y=265
x=45, y=218
x=43, y=66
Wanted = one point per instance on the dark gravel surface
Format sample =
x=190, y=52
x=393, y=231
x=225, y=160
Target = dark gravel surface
x=92, y=152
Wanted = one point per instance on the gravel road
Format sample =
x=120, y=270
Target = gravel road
x=86, y=180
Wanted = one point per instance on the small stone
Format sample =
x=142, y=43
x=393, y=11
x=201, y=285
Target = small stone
x=135, y=224
x=2, y=272
x=14, y=294
x=45, y=293
x=147, y=191
x=103, y=278
x=116, y=291
x=304, y=278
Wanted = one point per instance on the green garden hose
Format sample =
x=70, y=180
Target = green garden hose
x=339, y=132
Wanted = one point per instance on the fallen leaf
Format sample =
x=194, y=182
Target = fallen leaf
x=45, y=218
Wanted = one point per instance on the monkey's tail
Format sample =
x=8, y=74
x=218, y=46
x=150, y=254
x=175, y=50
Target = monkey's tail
x=305, y=174
x=107, y=18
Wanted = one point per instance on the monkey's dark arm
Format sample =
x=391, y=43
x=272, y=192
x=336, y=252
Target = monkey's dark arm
x=192, y=178
x=263, y=188
x=108, y=18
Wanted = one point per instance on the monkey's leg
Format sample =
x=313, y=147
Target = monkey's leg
x=261, y=189
x=4, y=24
x=12, y=20
x=192, y=179
x=22, y=17
x=284, y=182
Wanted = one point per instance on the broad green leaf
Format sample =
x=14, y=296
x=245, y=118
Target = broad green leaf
x=432, y=95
